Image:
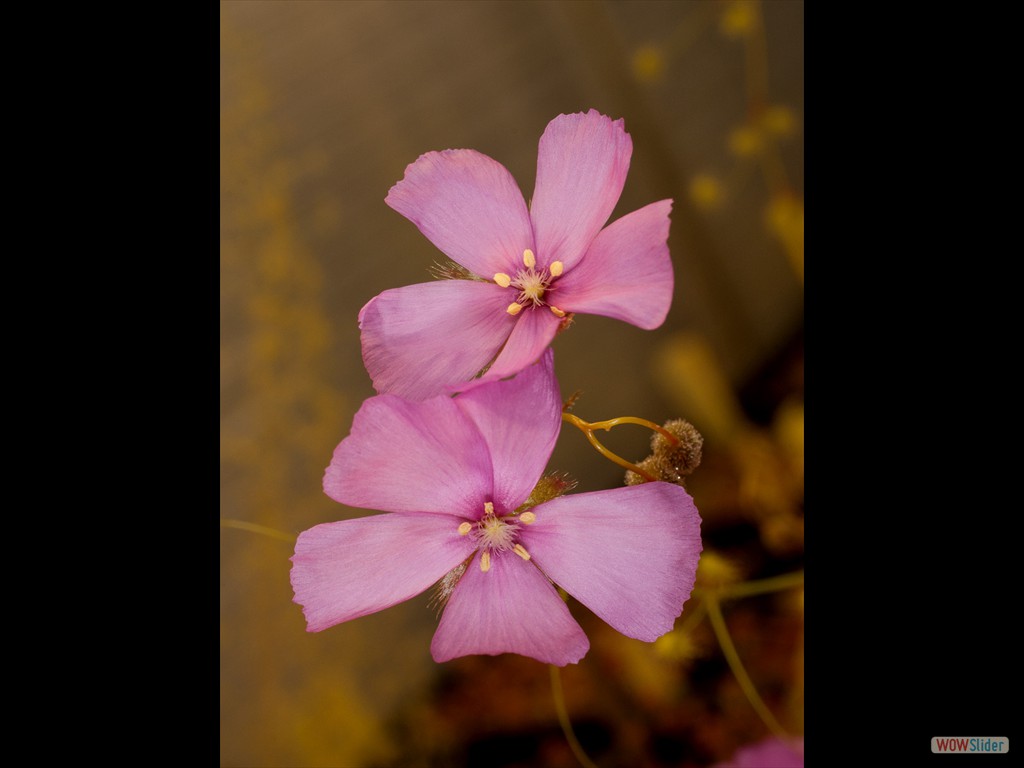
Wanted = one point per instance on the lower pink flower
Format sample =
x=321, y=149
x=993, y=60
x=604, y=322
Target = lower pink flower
x=454, y=474
x=773, y=752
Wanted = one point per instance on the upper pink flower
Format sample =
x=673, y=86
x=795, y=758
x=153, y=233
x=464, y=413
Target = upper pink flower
x=452, y=472
x=535, y=265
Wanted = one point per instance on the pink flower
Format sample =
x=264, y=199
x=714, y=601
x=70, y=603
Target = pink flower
x=534, y=266
x=453, y=472
x=772, y=752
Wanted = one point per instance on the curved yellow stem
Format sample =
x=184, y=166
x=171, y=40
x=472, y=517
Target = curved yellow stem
x=563, y=719
x=588, y=429
x=607, y=424
x=729, y=651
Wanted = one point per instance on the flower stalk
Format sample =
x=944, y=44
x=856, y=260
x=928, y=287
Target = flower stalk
x=563, y=719
x=588, y=428
x=710, y=600
x=729, y=651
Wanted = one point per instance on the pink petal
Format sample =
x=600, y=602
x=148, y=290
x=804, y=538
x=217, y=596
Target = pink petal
x=511, y=608
x=773, y=752
x=405, y=456
x=534, y=330
x=352, y=568
x=420, y=339
x=519, y=419
x=581, y=169
x=628, y=554
x=626, y=273
x=469, y=206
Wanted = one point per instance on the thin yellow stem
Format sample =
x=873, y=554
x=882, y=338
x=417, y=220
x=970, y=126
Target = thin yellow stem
x=729, y=651
x=588, y=429
x=563, y=719
x=758, y=587
x=271, y=532
x=607, y=424
x=618, y=459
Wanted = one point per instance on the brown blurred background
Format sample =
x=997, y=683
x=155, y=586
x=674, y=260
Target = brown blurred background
x=323, y=104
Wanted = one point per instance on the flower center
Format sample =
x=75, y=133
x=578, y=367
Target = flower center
x=498, y=533
x=531, y=284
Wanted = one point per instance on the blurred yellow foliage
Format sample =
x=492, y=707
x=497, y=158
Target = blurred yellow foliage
x=745, y=141
x=716, y=570
x=777, y=120
x=788, y=431
x=654, y=678
x=739, y=19
x=648, y=63
x=688, y=373
x=706, y=192
x=785, y=220
x=679, y=646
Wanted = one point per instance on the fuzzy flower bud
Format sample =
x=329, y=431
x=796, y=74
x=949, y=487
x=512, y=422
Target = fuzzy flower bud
x=671, y=461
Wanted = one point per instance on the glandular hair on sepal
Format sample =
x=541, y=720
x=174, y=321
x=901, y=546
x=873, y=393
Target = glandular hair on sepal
x=444, y=588
x=548, y=487
x=450, y=270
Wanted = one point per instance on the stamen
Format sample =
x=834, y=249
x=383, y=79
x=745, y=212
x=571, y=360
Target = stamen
x=488, y=507
x=526, y=518
x=529, y=259
x=465, y=528
x=520, y=550
x=514, y=309
x=556, y=268
x=503, y=280
x=557, y=311
x=485, y=561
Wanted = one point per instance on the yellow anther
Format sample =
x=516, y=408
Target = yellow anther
x=529, y=259
x=488, y=507
x=527, y=518
x=520, y=550
x=556, y=268
x=502, y=279
x=485, y=561
x=557, y=311
x=465, y=528
x=514, y=309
